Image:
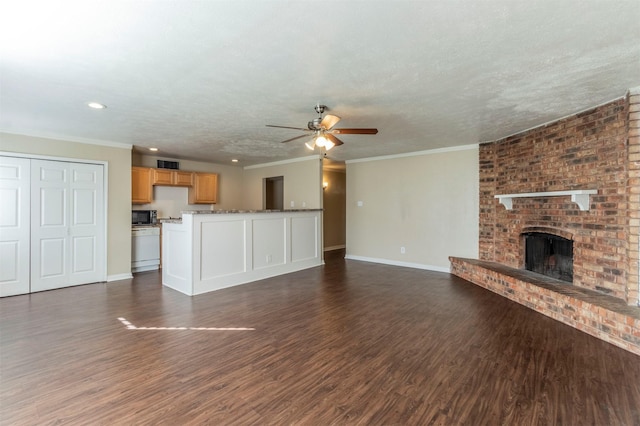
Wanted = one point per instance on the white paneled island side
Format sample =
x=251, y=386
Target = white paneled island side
x=212, y=250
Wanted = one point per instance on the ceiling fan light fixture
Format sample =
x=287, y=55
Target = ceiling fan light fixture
x=323, y=132
x=321, y=141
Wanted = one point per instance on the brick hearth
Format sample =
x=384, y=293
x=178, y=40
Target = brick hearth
x=602, y=316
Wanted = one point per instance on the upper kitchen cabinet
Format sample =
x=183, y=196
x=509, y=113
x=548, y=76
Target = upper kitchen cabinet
x=182, y=178
x=167, y=177
x=204, y=189
x=141, y=189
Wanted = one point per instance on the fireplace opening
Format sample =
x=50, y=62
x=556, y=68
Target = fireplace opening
x=549, y=255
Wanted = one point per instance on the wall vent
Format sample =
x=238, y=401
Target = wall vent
x=162, y=164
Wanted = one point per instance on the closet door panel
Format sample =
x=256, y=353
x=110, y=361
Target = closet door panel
x=51, y=253
x=49, y=225
x=15, y=186
x=83, y=251
x=87, y=221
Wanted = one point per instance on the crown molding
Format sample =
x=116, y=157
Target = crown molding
x=415, y=154
x=62, y=138
x=279, y=163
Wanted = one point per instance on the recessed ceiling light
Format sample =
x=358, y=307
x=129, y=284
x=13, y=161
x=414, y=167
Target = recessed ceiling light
x=153, y=149
x=96, y=105
x=235, y=160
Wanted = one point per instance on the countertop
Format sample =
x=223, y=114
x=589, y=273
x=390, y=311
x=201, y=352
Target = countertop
x=179, y=220
x=246, y=211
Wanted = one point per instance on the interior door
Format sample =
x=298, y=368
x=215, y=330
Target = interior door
x=86, y=224
x=49, y=225
x=67, y=224
x=14, y=225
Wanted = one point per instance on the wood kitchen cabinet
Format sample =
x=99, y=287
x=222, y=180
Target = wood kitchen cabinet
x=141, y=189
x=161, y=177
x=183, y=178
x=204, y=189
x=167, y=177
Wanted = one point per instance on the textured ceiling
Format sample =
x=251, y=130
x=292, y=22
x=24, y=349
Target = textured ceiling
x=201, y=79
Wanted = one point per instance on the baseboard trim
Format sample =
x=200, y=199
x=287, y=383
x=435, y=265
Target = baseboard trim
x=398, y=263
x=119, y=277
x=338, y=247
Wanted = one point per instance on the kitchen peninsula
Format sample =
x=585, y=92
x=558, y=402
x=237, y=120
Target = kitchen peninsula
x=211, y=250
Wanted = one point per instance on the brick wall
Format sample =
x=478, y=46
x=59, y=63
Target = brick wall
x=596, y=149
x=633, y=190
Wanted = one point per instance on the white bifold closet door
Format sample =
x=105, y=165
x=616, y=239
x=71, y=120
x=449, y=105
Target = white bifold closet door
x=67, y=224
x=15, y=177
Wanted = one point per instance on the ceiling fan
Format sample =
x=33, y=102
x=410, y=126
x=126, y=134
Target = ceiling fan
x=323, y=131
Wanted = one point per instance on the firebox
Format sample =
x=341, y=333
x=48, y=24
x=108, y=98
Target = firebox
x=549, y=255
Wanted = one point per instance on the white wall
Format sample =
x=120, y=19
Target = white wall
x=170, y=201
x=426, y=203
x=118, y=158
x=302, y=183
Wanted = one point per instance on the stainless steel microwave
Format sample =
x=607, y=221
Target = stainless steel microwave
x=144, y=217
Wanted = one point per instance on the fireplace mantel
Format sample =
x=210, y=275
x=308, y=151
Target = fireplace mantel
x=578, y=196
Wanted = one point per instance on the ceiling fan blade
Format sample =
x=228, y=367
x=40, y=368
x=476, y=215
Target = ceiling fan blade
x=333, y=139
x=329, y=121
x=297, y=137
x=287, y=127
x=355, y=131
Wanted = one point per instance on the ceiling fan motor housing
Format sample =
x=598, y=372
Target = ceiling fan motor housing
x=314, y=124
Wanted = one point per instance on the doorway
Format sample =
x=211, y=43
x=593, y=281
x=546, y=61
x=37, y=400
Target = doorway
x=334, y=191
x=274, y=193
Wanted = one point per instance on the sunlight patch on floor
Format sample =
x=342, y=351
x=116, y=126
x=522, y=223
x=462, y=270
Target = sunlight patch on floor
x=133, y=327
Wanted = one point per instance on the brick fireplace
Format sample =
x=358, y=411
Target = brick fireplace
x=548, y=254
x=577, y=178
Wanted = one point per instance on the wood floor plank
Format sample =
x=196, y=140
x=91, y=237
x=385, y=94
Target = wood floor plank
x=348, y=343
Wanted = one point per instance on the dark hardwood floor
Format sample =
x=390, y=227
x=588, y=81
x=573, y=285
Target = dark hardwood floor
x=349, y=343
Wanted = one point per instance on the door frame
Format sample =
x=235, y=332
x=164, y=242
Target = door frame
x=105, y=195
x=269, y=185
